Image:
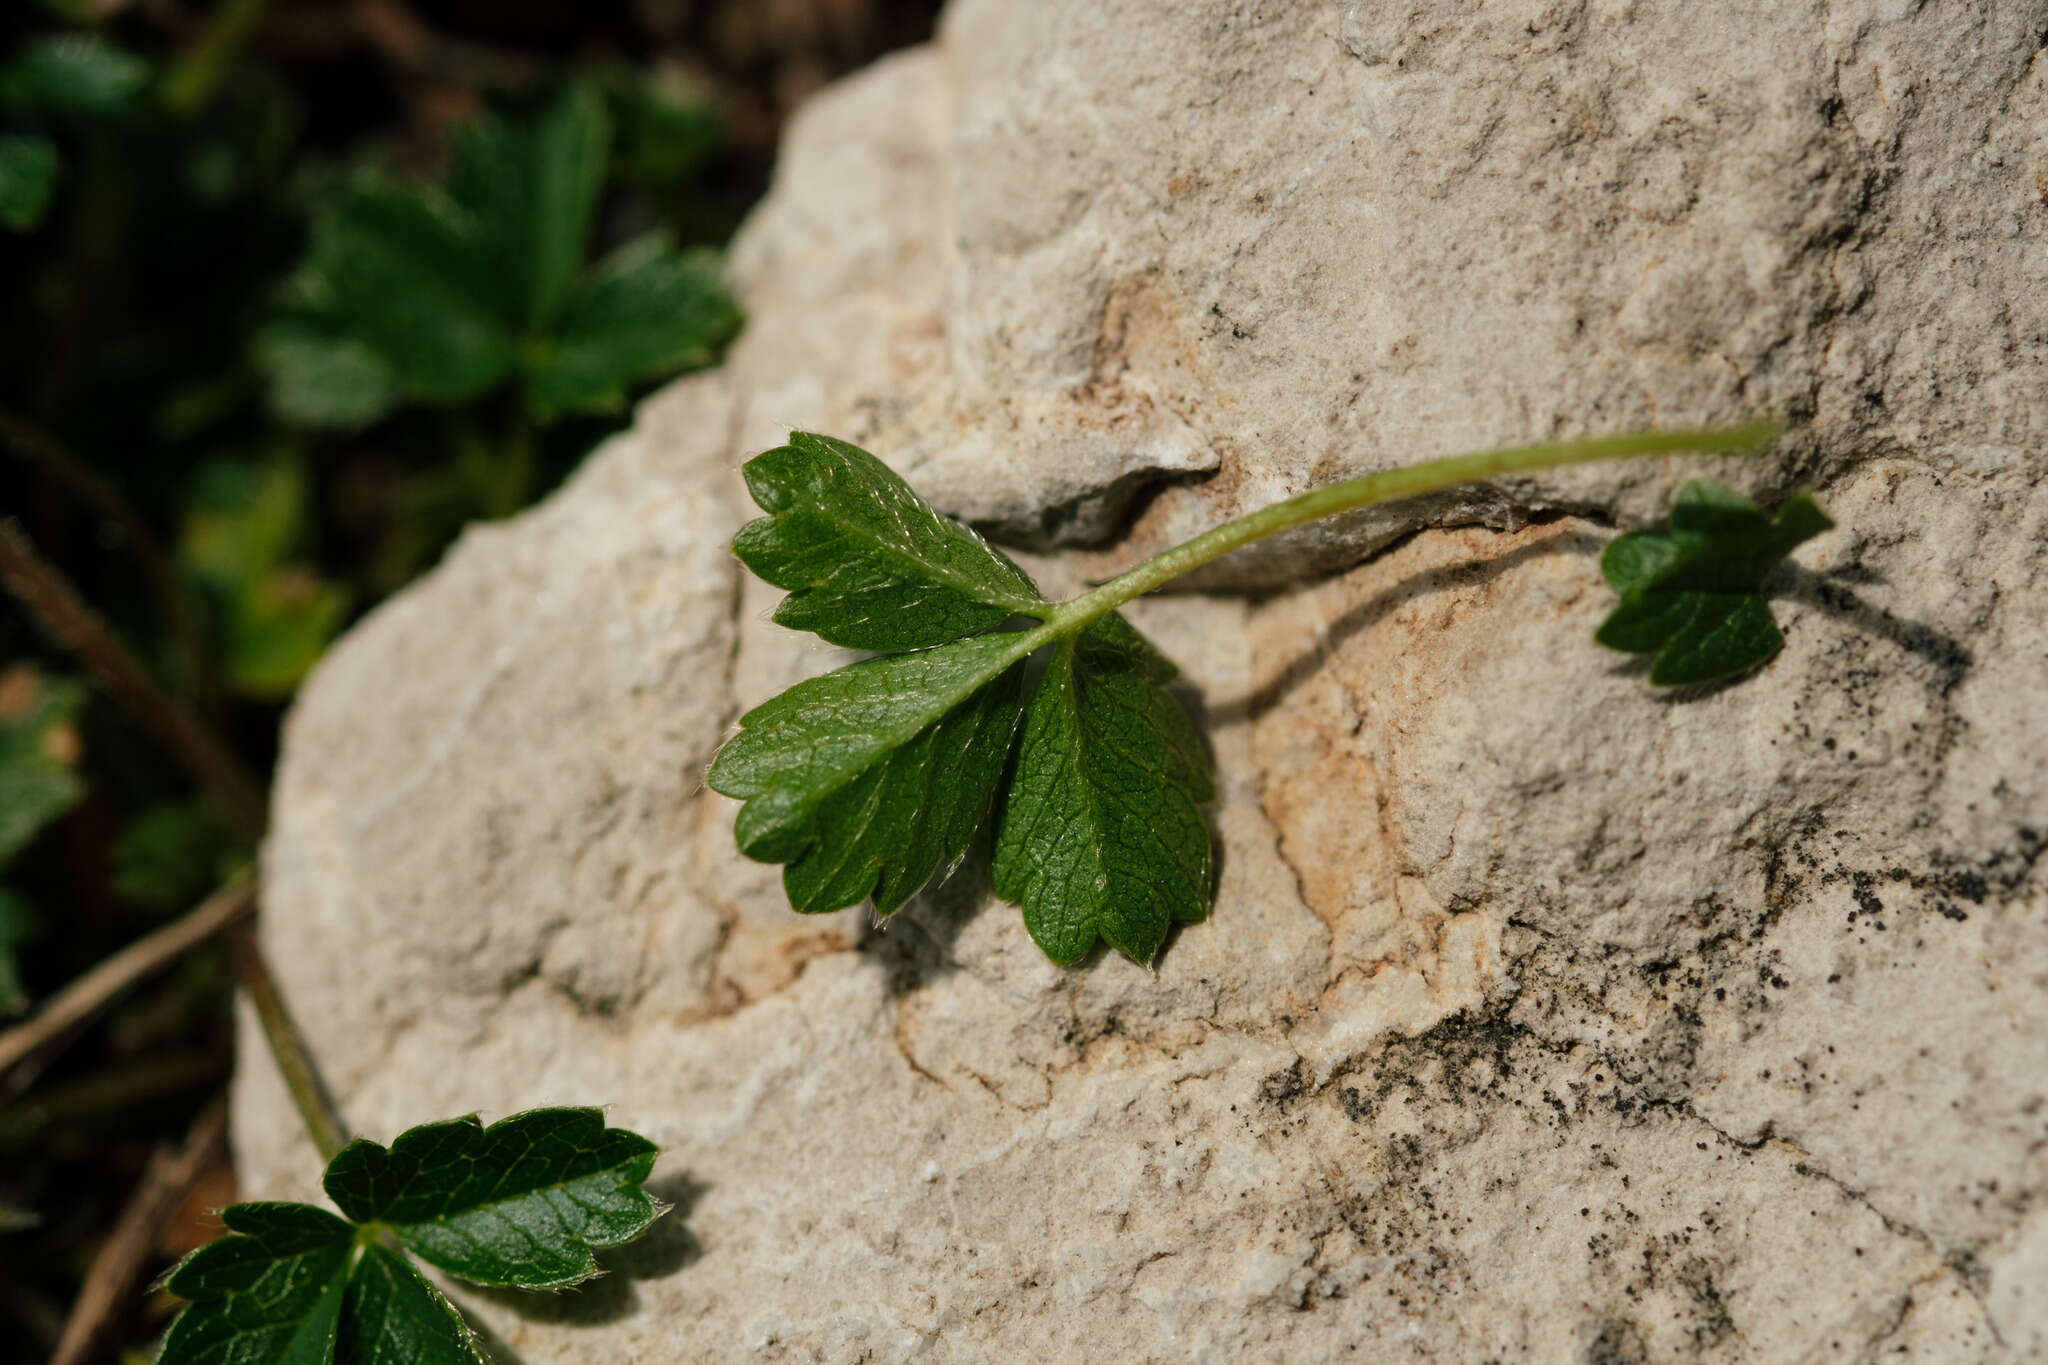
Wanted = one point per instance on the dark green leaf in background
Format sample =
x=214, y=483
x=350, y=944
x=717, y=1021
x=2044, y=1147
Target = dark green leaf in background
x=1102, y=832
x=531, y=187
x=522, y=1202
x=663, y=128
x=404, y=271
x=269, y=1295
x=245, y=519
x=241, y=538
x=323, y=378
x=172, y=854
x=1692, y=595
x=868, y=564
x=643, y=311
x=413, y=292
x=72, y=73
x=38, y=749
x=281, y=628
x=28, y=178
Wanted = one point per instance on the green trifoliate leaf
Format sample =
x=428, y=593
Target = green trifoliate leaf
x=28, y=178
x=868, y=564
x=867, y=779
x=531, y=186
x=1692, y=596
x=523, y=1202
x=1102, y=834
x=269, y=1295
x=520, y=1203
x=392, y=1314
x=437, y=294
x=645, y=310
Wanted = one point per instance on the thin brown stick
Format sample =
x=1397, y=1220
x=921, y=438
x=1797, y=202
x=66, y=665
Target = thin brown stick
x=25, y=1046
x=170, y=1175
x=55, y=461
x=316, y=1107
x=56, y=605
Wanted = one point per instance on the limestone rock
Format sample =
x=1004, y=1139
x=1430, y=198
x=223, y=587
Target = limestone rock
x=1539, y=1016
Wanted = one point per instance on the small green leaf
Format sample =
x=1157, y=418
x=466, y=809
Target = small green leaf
x=319, y=379
x=404, y=271
x=270, y=1295
x=522, y=1202
x=277, y=616
x=38, y=746
x=73, y=73
x=868, y=564
x=282, y=625
x=865, y=780
x=642, y=312
x=1692, y=596
x=28, y=178
x=393, y=1316
x=171, y=854
x=664, y=129
x=531, y=186
x=1102, y=832
x=244, y=520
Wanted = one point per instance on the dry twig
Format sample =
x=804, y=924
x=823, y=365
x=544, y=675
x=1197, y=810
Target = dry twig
x=22, y=1047
x=55, y=461
x=125, y=1253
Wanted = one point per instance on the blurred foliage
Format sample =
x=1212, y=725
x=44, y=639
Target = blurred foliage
x=426, y=293
x=38, y=782
x=273, y=615
x=172, y=854
x=297, y=289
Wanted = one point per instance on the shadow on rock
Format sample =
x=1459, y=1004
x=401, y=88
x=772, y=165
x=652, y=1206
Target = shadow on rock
x=1382, y=604
x=1944, y=659
x=1947, y=659
x=917, y=943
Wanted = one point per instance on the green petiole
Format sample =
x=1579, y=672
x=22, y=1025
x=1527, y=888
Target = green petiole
x=1431, y=476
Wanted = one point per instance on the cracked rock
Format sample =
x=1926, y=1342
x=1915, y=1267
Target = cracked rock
x=1539, y=1016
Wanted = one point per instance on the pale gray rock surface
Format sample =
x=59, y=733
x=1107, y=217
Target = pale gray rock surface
x=1540, y=1017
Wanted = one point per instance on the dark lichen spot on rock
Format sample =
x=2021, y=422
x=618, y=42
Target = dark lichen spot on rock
x=1616, y=1341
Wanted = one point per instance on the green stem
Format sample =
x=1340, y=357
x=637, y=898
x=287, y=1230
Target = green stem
x=192, y=81
x=1407, y=482
x=294, y=1062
